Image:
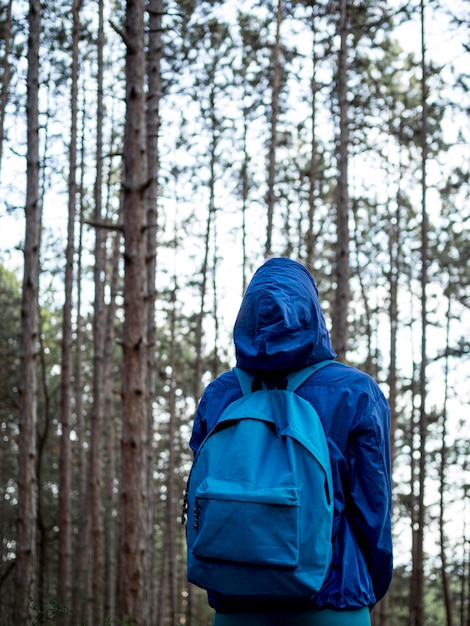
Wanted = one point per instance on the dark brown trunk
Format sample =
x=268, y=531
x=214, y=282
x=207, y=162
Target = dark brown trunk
x=154, y=56
x=131, y=583
x=27, y=477
x=95, y=487
x=65, y=466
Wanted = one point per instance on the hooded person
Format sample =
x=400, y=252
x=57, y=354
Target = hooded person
x=280, y=328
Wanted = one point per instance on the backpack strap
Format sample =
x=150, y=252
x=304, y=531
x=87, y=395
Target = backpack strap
x=294, y=379
x=244, y=379
x=297, y=378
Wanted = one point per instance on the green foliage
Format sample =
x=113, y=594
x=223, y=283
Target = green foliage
x=51, y=614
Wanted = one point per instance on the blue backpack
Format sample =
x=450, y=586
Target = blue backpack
x=259, y=499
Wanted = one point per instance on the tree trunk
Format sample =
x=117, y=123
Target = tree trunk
x=244, y=167
x=442, y=479
x=417, y=600
x=131, y=582
x=312, y=174
x=207, y=241
x=394, y=242
x=43, y=430
x=82, y=543
x=215, y=356
x=170, y=511
x=27, y=497
x=65, y=466
x=414, y=497
x=155, y=11
x=341, y=305
x=244, y=181
x=270, y=199
x=213, y=220
x=110, y=439
x=96, y=602
x=368, y=364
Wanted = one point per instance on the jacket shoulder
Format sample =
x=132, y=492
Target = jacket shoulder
x=341, y=375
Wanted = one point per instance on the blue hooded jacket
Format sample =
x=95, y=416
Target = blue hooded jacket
x=280, y=327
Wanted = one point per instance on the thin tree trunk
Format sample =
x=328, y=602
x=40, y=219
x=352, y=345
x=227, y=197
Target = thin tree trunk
x=245, y=166
x=96, y=602
x=5, y=76
x=214, y=130
x=170, y=512
x=82, y=552
x=43, y=430
x=27, y=477
x=418, y=552
x=244, y=179
x=341, y=305
x=414, y=497
x=155, y=11
x=65, y=465
x=131, y=582
x=312, y=174
x=394, y=243
x=205, y=262
x=270, y=199
x=110, y=442
x=367, y=325
x=43, y=427
x=442, y=479
x=215, y=357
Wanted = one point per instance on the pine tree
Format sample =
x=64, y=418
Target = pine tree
x=65, y=479
x=131, y=581
x=27, y=478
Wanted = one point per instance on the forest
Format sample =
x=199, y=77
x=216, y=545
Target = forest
x=152, y=155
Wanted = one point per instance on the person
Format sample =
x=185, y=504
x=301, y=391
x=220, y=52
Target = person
x=280, y=327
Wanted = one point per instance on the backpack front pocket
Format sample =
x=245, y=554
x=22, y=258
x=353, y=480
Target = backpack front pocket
x=244, y=524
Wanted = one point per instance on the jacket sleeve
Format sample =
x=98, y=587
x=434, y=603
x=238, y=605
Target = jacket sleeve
x=199, y=427
x=370, y=489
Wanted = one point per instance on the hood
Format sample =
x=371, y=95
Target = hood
x=280, y=324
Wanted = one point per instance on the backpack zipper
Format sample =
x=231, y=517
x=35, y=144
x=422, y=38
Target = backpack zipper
x=196, y=516
x=185, y=508
x=184, y=512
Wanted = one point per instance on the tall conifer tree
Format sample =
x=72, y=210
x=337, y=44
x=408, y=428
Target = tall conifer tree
x=417, y=581
x=27, y=478
x=65, y=482
x=95, y=478
x=134, y=429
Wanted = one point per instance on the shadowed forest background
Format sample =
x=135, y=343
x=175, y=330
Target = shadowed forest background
x=151, y=156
